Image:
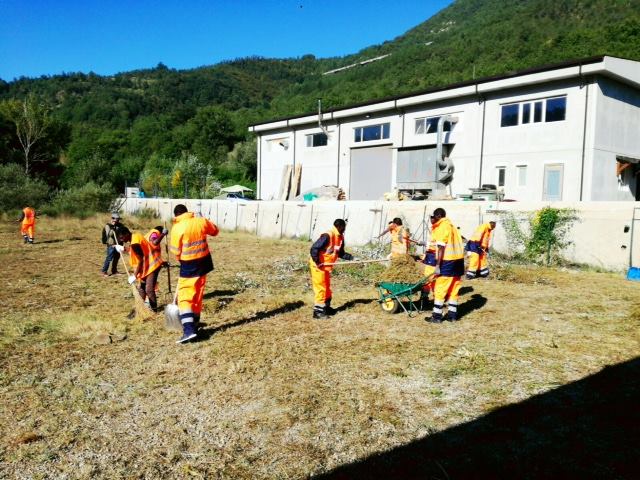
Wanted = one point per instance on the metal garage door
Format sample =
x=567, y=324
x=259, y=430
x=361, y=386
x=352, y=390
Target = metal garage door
x=370, y=173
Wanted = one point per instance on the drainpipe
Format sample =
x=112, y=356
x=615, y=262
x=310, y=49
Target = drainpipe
x=584, y=131
x=338, y=174
x=484, y=111
x=259, y=140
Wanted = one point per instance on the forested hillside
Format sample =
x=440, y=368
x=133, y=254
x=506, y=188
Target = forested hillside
x=174, y=130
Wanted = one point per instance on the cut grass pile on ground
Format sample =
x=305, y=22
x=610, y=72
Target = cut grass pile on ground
x=402, y=269
x=269, y=392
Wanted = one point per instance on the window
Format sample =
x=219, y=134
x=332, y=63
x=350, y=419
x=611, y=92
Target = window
x=526, y=113
x=556, y=109
x=371, y=133
x=510, y=115
x=430, y=125
x=317, y=140
x=501, y=175
x=537, y=112
x=522, y=175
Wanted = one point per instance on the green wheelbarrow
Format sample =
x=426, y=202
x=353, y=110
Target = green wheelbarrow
x=393, y=296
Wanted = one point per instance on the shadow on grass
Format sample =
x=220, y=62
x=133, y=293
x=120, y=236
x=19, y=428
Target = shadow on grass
x=207, y=333
x=220, y=293
x=476, y=302
x=353, y=303
x=586, y=429
x=58, y=240
x=464, y=290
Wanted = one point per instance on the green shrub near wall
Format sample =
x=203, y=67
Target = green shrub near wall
x=81, y=201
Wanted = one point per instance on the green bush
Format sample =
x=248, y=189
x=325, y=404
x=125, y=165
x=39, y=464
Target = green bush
x=545, y=234
x=81, y=201
x=18, y=190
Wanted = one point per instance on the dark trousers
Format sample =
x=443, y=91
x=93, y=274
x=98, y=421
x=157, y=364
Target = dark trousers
x=147, y=288
x=112, y=256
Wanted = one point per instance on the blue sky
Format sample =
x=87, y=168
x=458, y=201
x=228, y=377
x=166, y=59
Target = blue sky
x=47, y=37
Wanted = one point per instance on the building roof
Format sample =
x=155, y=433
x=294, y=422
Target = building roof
x=625, y=70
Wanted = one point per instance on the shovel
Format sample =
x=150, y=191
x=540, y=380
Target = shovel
x=172, y=315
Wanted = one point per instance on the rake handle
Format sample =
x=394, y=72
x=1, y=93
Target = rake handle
x=354, y=262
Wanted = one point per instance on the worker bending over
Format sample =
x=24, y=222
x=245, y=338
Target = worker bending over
x=146, y=261
x=325, y=252
x=478, y=248
x=400, y=238
x=449, y=266
x=189, y=245
x=28, y=224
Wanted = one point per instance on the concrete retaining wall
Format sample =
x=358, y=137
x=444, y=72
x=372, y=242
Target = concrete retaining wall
x=598, y=238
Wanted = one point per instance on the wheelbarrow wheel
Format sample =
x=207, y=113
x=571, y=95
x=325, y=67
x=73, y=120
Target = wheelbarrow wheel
x=390, y=305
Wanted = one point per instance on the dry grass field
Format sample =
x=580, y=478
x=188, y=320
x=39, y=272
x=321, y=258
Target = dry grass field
x=540, y=378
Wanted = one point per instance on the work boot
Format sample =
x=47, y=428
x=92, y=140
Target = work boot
x=328, y=309
x=189, y=334
x=452, y=317
x=26, y=239
x=433, y=319
x=318, y=312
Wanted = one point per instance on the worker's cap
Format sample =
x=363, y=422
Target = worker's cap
x=115, y=216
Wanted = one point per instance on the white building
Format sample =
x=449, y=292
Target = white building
x=568, y=131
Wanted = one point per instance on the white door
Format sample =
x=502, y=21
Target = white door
x=552, y=188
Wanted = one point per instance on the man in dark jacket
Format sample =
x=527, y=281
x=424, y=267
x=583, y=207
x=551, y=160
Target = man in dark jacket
x=109, y=233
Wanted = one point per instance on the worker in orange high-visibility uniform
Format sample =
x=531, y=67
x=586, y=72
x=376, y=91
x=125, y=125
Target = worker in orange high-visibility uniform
x=324, y=252
x=189, y=245
x=146, y=260
x=429, y=260
x=28, y=224
x=478, y=248
x=449, y=266
x=400, y=238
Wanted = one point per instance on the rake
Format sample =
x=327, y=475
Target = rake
x=143, y=312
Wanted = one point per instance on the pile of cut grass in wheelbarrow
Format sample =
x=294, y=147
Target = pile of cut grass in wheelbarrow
x=403, y=269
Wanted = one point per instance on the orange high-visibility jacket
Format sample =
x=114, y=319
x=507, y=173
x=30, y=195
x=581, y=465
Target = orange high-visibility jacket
x=29, y=216
x=330, y=253
x=151, y=245
x=446, y=235
x=189, y=244
x=152, y=258
x=399, y=240
x=482, y=236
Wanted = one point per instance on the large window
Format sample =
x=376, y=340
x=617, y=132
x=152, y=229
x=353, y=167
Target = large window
x=510, y=115
x=556, y=109
x=316, y=140
x=536, y=111
x=502, y=173
x=371, y=133
x=522, y=175
x=430, y=125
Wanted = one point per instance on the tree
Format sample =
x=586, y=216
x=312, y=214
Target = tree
x=31, y=120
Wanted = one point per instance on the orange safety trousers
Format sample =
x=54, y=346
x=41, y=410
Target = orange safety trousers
x=477, y=261
x=428, y=270
x=28, y=229
x=321, y=283
x=446, y=289
x=190, y=293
